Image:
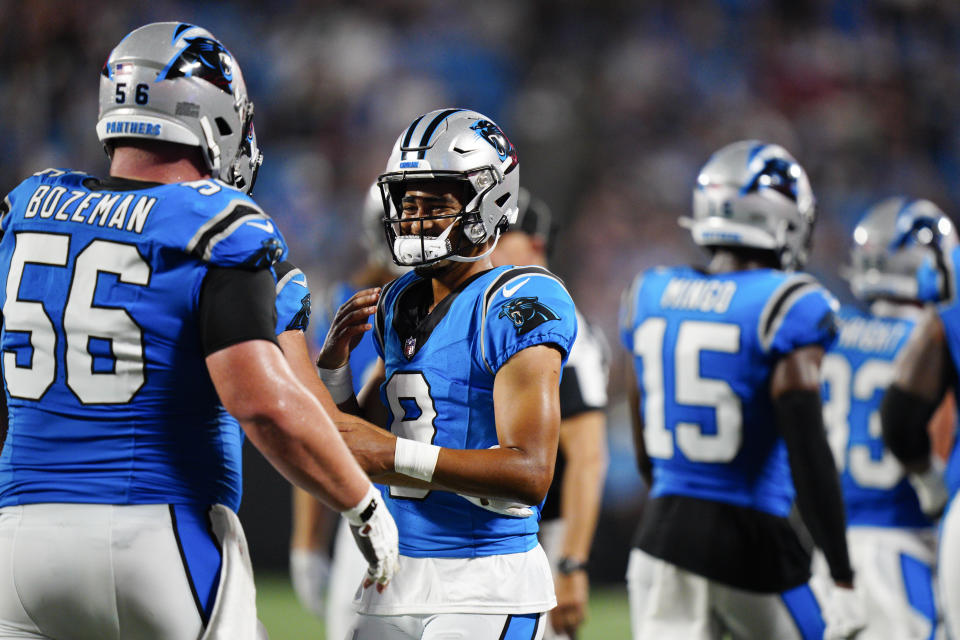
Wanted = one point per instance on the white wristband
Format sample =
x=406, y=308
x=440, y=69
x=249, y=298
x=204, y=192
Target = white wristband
x=415, y=459
x=339, y=382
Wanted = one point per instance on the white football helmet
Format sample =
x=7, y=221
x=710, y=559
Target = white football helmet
x=175, y=82
x=898, y=251
x=753, y=194
x=457, y=145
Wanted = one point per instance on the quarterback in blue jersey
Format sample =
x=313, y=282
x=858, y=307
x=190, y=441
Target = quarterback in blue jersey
x=892, y=541
x=467, y=387
x=728, y=416
x=926, y=370
x=137, y=311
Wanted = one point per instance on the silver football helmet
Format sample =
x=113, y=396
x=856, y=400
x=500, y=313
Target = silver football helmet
x=898, y=251
x=456, y=145
x=175, y=82
x=753, y=194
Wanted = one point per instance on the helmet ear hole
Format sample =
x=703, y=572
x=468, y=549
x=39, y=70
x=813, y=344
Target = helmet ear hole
x=223, y=127
x=475, y=232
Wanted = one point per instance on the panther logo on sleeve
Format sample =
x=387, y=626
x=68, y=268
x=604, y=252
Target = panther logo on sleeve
x=527, y=314
x=302, y=318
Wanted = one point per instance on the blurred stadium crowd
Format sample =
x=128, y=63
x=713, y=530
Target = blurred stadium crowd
x=612, y=104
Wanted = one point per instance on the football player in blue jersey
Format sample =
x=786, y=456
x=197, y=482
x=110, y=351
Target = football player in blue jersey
x=467, y=386
x=570, y=512
x=925, y=371
x=727, y=410
x=137, y=310
x=892, y=541
x=324, y=585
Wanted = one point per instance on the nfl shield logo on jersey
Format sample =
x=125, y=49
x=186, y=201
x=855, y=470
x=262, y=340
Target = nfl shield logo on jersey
x=410, y=347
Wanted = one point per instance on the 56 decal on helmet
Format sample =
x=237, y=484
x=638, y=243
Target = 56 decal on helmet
x=176, y=82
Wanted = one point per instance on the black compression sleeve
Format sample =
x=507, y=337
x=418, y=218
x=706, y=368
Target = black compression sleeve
x=235, y=306
x=904, y=417
x=800, y=420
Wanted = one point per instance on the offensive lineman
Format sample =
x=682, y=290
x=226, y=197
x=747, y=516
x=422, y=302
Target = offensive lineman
x=137, y=310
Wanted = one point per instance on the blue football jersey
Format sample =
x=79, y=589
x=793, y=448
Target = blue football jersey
x=949, y=312
x=293, y=298
x=364, y=355
x=856, y=372
x=109, y=397
x=439, y=389
x=704, y=348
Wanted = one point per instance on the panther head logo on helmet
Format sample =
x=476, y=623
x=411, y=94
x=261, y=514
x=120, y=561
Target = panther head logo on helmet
x=202, y=58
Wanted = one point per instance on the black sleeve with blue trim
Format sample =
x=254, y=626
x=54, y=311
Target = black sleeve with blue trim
x=293, y=298
x=525, y=307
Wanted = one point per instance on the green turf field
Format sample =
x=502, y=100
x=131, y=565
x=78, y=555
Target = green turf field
x=285, y=620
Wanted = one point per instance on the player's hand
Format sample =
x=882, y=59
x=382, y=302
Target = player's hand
x=571, y=610
x=310, y=573
x=348, y=326
x=931, y=488
x=375, y=533
x=371, y=446
x=501, y=506
x=844, y=614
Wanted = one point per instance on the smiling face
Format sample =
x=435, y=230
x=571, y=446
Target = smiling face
x=430, y=208
x=432, y=224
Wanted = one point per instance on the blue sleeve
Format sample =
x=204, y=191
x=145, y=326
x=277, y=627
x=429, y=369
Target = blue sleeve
x=805, y=319
x=293, y=298
x=538, y=311
x=226, y=228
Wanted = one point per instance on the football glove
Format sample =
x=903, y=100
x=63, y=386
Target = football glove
x=930, y=488
x=375, y=533
x=310, y=573
x=501, y=506
x=845, y=615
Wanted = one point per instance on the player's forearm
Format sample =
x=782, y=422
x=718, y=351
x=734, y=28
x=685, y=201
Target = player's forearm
x=285, y=422
x=800, y=421
x=495, y=473
x=304, y=446
x=489, y=473
x=584, y=445
x=904, y=417
x=580, y=498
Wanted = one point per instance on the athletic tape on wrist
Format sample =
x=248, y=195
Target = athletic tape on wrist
x=339, y=382
x=415, y=459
